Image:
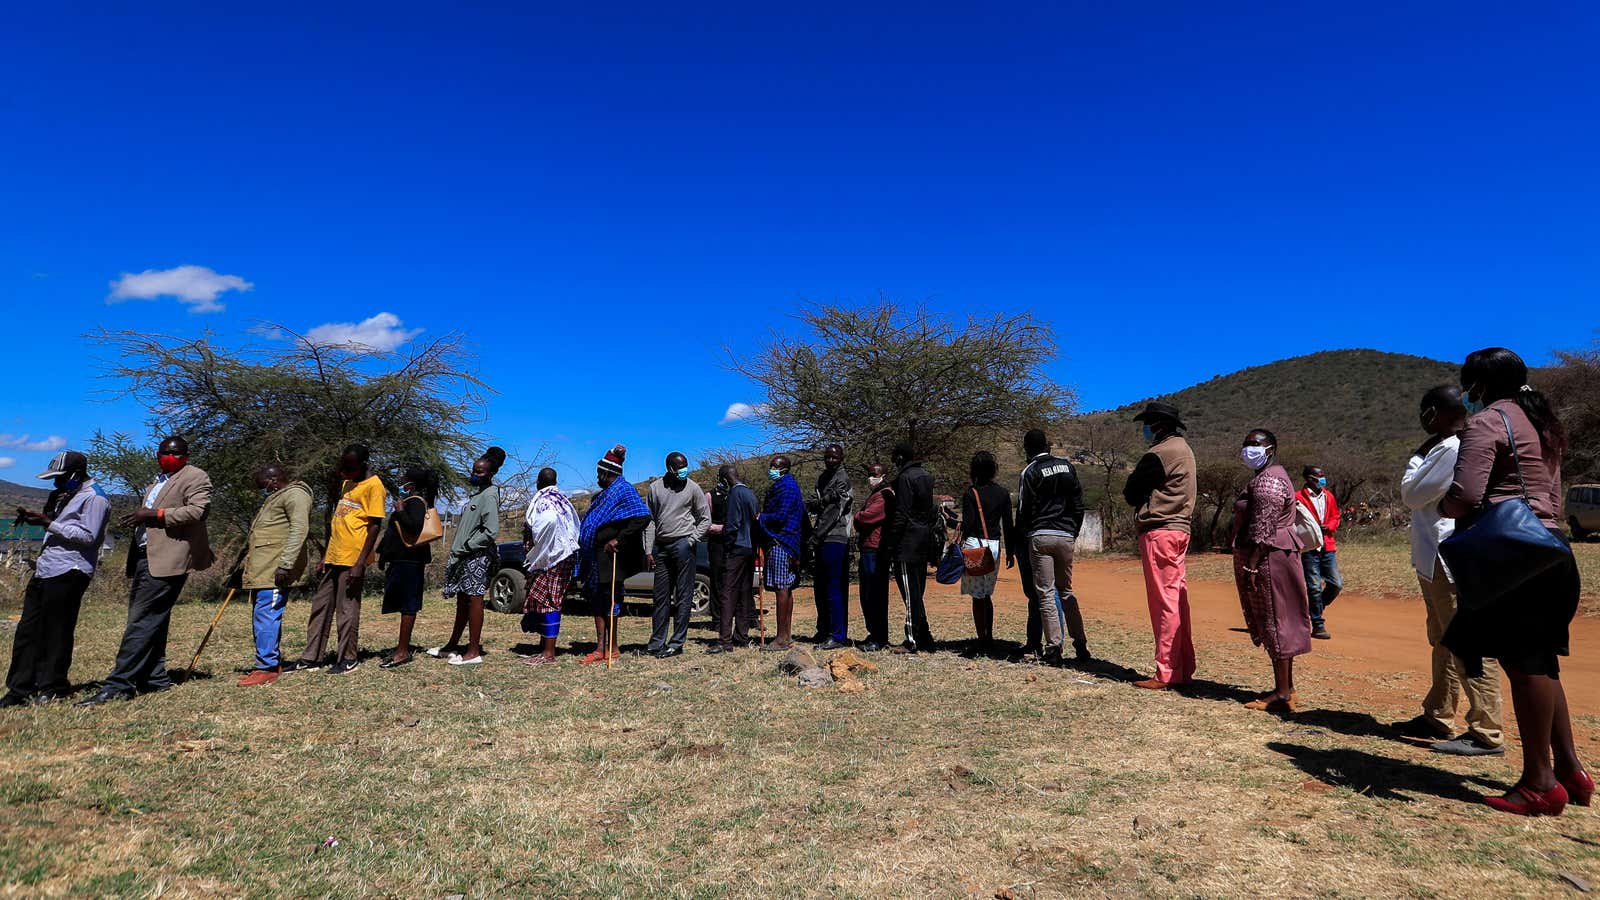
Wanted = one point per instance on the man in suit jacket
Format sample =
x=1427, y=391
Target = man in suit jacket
x=170, y=541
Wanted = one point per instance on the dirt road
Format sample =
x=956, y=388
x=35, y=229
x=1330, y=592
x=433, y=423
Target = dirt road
x=1379, y=643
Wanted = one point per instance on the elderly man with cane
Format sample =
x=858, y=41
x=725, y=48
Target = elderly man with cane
x=275, y=558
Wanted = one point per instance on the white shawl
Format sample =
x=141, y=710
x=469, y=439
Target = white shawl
x=553, y=524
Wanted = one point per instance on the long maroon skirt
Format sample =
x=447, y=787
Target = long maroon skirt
x=1275, y=603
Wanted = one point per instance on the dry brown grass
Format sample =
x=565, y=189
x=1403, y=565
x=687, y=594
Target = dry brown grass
x=713, y=776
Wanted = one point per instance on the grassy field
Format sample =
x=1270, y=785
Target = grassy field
x=714, y=776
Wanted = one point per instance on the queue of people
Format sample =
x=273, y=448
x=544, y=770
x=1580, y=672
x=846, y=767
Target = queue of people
x=1492, y=440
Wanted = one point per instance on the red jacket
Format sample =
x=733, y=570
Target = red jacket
x=1329, y=522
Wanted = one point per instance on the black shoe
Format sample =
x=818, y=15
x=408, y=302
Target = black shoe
x=872, y=647
x=720, y=648
x=1051, y=656
x=43, y=697
x=1421, y=727
x=831, y=644
x=301, y=665
x=345, y=667
x=104, y=696
x=391, y=663
x=1080, y=651
x=668, y=652
x=817, y=638
x=1320, y=632
x=10, y=700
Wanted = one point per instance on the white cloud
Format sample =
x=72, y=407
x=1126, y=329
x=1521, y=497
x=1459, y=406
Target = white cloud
x=196, y=286
x=7, y=462
x=23, y=442
x=740, y=412
x=382, y=333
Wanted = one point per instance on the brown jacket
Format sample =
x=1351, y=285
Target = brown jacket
x=179, y=544
x=1485, y=469
x=278, y=537
x=1162, y=487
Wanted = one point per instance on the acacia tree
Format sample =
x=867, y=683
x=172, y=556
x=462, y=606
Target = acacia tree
x=874, y=375
x=1574, y=388
x=292, y=402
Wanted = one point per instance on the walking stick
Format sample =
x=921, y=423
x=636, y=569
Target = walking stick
x=611, y=600
x=761, y=605
x=203, y=641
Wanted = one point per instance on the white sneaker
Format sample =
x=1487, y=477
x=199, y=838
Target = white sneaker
x=457, y=659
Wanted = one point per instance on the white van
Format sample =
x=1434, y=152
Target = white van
x=1583, y=510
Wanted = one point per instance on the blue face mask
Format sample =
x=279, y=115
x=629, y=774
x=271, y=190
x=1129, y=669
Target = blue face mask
x=682, y=474
x=774, y=474
x=405, y=490
x=1322, y=482
x=1149, y=435
x=1473, y=406
x=477, y=480
x=266, y=492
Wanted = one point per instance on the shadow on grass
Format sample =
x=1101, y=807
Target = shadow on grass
x=1384, y=778
x=1201, y=689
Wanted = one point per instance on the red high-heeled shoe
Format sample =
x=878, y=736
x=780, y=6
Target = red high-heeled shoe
x=1525, y=801
x=1580, y=787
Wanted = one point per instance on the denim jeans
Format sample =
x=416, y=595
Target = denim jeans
x=674, y=594
x=268, y=625
x=875, y=595
x=1323, y=581
x=833, y=591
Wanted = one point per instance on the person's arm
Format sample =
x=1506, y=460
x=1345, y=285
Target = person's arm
x=1024, y=505
x=1075, y=496
x=87, y=527
x=873, y=512
x=971, y=511
x=297, y=504
x=1332, y=525
x=1148, y=475
x=374, y=528
x=702, y=515
x=1266, y=496
x=1008, y=528
x=1427, y=478
x=653, y=504
x=900, y=519
x=413, y=512
x=191, y=508
x=1474, y=462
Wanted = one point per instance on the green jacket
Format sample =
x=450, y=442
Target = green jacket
x=278, y=537
x=478, y=528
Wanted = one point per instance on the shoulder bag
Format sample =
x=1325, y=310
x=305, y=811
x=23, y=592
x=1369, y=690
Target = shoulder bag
x=1503, y=546
x=979, y=560
x=432, y=529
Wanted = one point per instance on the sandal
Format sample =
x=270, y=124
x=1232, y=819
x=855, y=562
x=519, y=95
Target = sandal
x=392, y=663
x=595, y=656
x=540, y=660
x=457, y=659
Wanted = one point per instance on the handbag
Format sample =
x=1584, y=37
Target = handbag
x=979, y=560
x=432, y=530
x=1307, y=529
x=1503, y=547
x=952, y=566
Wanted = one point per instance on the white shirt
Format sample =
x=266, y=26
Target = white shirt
x=1426, y=481
x=150, y=501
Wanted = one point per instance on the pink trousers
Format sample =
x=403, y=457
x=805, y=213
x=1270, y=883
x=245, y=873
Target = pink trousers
x=1167, y=588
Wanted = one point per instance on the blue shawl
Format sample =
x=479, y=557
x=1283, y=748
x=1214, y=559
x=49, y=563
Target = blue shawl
x=781, y=513
x=619, y=501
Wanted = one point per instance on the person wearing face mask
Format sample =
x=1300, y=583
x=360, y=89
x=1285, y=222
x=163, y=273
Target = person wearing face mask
x=1426, y=480
x=782, y=524
x=1511, y=452
x=737, y=536
x=680, y=518
x=874, y=566
x=473, y=555
x=610, y=549
x=1161, y=489
x=832, y=505
x=1323, y=581
x=353, y=530
x=170, y=542
x=404, y=566
x=1266, y=568
x=74, y=518
x=275, y=558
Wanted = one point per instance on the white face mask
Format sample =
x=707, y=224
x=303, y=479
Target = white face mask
x=1254, y=458
x=874, y=480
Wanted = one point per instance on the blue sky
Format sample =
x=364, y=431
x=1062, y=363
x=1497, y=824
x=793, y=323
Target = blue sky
x=600, y=200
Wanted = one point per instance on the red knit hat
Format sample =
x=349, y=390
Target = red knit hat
x=612, y=461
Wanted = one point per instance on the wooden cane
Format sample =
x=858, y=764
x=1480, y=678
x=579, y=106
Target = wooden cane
x=611, y=600
x=205, y=640
x=761, y=612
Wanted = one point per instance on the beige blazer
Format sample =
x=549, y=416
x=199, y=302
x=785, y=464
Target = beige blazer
x=180, y=545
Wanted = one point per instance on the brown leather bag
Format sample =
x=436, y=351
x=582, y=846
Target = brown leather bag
x=432, y=530
x=979, y=560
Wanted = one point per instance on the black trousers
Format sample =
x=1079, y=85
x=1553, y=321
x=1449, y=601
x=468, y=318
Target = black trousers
x=735, y=595
x=1035, y=625
x=41, y=649
x=874, y=568
x=141, y=664
x=912, y=577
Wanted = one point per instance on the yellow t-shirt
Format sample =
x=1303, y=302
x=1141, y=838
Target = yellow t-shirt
x=359, y=503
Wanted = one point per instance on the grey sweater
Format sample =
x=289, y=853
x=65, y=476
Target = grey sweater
x=681, y=512
x=833, y=506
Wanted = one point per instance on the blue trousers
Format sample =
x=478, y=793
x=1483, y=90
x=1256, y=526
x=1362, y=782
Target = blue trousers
x=1323, y=581
x=875, y=595
x=268, y=626
x=833, y=591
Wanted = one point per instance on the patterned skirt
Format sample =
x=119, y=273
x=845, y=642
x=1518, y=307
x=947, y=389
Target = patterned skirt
x=468, y=576
x=778, y=574
x=548, y=587
x=1274, y=603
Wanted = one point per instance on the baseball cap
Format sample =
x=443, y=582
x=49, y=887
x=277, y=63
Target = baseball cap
x=64, y=462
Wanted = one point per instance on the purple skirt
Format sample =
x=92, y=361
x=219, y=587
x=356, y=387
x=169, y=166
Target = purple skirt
x=1274, y=603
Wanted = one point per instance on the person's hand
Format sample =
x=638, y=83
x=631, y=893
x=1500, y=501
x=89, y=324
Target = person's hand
x=33, y=518
x=1011, y=561
x=716, y=529
x=527, y=547
x=142, y=516
x=358, y=577
x=611, y=546
x=282, y=579
x=322, y=569
x=649, y=561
